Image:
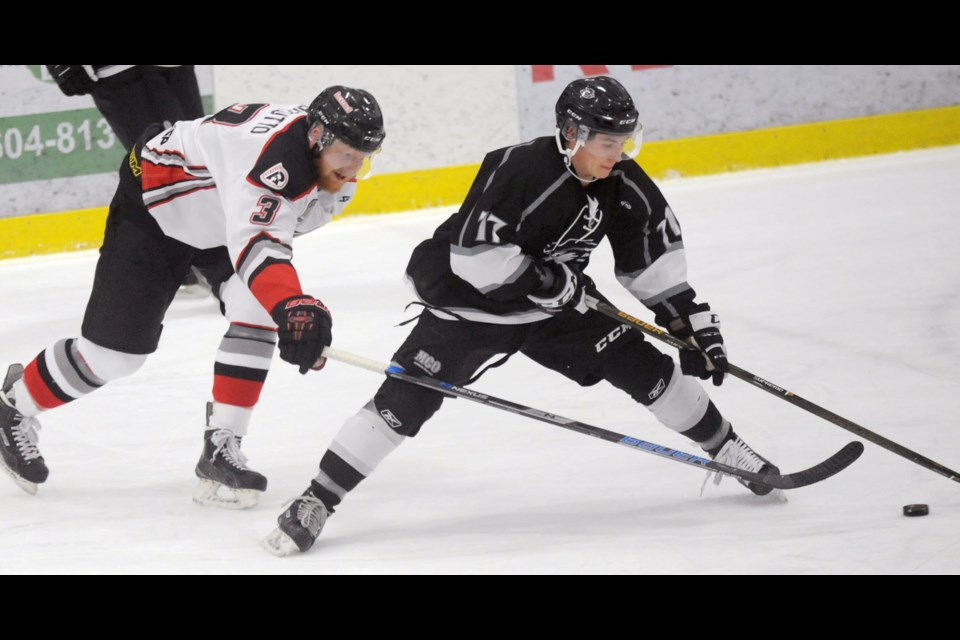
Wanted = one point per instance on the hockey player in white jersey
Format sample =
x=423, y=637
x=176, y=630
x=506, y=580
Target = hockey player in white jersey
x=505, y=275
x=248, y=180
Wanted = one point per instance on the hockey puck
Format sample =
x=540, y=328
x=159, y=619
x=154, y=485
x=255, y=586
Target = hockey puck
x=914, y=510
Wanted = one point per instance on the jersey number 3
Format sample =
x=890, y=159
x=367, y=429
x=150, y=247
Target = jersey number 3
x=268, y=210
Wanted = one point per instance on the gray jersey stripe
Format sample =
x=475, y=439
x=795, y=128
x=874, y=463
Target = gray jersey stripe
x=162, y=159
x=506, y=156
x=543, y=196
x=633, y=275
x=470, y=313
x=173, y=160
x=633, y=185
x=476, y=315
x=473, y=251
x=663, y=296
x=162, y=193
x=484, y=266
x=258, y=253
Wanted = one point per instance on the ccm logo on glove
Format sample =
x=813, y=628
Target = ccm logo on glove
x=702, y=330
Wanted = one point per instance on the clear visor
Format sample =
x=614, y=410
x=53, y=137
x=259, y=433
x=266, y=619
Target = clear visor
x=348, y=161
x=608, y=144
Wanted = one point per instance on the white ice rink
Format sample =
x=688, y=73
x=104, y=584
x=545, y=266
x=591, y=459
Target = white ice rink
x=838, y=281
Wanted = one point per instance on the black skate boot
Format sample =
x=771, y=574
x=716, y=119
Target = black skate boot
x=225, y=479
x=19, y=454
x=737, y=453
x=299, y=526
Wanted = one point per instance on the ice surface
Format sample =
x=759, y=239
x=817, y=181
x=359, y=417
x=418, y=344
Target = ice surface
x=838, y=281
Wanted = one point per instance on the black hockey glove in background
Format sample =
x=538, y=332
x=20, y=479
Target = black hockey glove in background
x=72, y=79
x=560, y=286
x=303, y=330
x=701, y=329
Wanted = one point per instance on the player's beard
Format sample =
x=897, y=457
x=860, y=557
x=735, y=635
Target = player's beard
x=332, y=182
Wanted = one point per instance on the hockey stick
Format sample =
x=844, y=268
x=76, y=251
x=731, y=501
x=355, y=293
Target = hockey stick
x=656, y=332
x=831, y=466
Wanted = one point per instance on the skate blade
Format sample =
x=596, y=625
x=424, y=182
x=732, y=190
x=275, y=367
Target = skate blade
x=776, y=496
x=193, y=291
x=280, y=544
x=26, y=485
x=214, y=494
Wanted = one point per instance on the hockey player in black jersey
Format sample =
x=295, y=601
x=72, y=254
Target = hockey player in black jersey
x=131, y=97
x=505, y=275
x=244, y=181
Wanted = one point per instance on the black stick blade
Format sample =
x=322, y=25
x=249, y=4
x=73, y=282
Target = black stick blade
x=826, y=469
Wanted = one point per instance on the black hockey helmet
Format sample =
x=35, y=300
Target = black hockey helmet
x=600, y=103
x=350, y=115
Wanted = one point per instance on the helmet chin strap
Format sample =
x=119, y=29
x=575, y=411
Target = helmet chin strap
x=323, y=139
x=569, y=153
x=315, y=139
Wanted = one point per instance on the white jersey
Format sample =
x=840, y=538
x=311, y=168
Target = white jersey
x=242, y=178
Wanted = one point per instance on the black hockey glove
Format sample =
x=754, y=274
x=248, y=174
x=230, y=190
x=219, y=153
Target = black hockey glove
x=560, y=286
x=73, y=79
x=701, y=329
x=303, y=330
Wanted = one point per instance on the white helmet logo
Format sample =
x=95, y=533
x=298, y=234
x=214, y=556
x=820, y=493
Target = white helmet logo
x=587, y=93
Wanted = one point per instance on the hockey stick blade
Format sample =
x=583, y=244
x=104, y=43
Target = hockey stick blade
x=826, y=469
x=829, y=467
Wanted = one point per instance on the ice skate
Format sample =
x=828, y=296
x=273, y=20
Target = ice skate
x=19, y=455
x=225, y=479
x=737, y=453
x=298, y=527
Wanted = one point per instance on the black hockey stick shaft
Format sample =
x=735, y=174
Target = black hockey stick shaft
x=778, y=391
x=829, y=467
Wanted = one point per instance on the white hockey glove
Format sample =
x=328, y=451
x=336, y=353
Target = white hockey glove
x=560, y=286
x=702, y=329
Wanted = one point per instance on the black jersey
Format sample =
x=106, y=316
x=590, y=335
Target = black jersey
x=523, y=208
